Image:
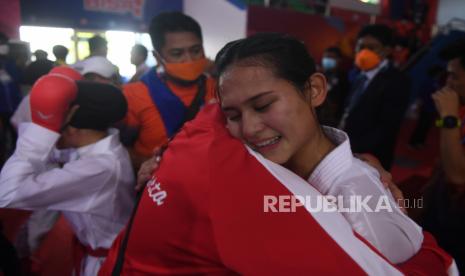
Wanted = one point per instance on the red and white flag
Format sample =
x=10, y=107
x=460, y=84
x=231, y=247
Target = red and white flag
x=203, y=213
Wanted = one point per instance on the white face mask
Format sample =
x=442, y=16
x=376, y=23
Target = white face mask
x=4, y=49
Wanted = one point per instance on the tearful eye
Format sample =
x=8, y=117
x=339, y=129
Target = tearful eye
x=262, y=108
x=234, y=118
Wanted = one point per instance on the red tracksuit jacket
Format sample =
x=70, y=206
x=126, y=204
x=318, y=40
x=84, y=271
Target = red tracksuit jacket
x=203, y=214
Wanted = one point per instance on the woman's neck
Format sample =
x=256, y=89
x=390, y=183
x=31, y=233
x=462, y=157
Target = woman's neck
x=304, y=163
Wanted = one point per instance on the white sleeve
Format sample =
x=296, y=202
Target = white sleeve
x=27, y=182
x=393, y=233
x=22, y=113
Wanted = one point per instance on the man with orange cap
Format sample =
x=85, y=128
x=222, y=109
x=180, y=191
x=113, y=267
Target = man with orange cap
x=170, y=93
x=379, y=96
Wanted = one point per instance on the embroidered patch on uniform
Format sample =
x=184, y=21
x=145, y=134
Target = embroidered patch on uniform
x=155, y=192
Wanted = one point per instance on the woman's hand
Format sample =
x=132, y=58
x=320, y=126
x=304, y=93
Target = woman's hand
x=147, y=168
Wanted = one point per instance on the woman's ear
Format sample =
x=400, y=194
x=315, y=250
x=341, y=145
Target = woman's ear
x=318, y=89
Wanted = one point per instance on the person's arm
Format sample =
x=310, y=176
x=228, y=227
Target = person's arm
x=147, y=168
x=451, y=148
x=383, y=224
x=136, y=159
x=22, y=113
x=131, y=126
x=27, y=182
x=385, y=177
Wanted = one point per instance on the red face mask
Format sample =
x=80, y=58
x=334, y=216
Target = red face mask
x=187, y=71
x=367, y=60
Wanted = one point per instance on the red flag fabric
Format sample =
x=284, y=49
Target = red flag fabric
x=203, y=213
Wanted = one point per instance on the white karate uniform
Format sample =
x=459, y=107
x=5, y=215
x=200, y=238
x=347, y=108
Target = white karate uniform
x=95, y=192
x=22, y=113
x=394, y=234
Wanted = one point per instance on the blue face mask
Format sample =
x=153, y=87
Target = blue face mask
x=328, y=63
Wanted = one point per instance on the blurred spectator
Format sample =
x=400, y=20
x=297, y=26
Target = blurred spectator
x=10, y=96
x=427, y=110
x=138, y=57
x=98, y=49
x=41, y=66
x=41, y=55
x=60, y=52
x=21, y=53
x=338, y=86
x=400, y=55
x=98, y=46
x=100, y=69
x=379, y=96
x=171, y=93
x=444, y=211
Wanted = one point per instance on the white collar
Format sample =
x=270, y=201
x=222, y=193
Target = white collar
x=101, y=146
x=373, y=72
x=333, y=164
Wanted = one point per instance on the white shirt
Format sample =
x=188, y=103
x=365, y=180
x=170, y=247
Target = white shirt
x=373, y=72
x=94, y=192
x=141, y=69
x=340, y=174
x=22, y=113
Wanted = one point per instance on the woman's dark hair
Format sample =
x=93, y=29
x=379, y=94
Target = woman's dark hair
x=286, y=56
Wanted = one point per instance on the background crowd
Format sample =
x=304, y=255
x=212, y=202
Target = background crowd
x=369, y=97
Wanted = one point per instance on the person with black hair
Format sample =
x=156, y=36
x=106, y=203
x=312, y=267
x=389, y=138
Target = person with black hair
x=60, y=52
x=138, y=56
x=38, y=68
x=93, y=188
x=427, y=111
x=10, y=97
x=330, y=112
x=98, y=46
x=173, y=91
x=98, y=62
x=444, y=211
x=379, y=96
x=211, y=219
